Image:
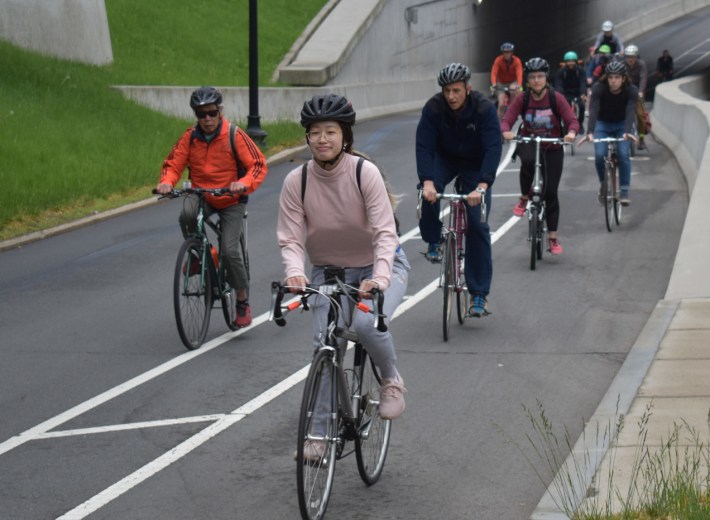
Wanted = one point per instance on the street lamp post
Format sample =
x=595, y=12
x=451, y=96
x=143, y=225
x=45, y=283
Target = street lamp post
x=254, y=129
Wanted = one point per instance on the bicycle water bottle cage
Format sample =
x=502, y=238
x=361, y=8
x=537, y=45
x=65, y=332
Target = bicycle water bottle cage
x=333, y=273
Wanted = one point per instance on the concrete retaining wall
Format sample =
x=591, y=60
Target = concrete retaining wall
x=72, y=29
x=682, y=122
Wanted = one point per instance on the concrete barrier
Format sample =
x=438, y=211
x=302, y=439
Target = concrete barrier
x=72, y=29
x=682, y=122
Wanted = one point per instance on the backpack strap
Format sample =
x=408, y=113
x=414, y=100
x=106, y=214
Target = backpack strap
x=241, y=172
x=304, y=178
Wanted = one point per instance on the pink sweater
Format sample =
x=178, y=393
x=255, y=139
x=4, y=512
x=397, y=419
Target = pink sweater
x=336, y=223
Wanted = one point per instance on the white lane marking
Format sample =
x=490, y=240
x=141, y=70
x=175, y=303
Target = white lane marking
x=153, y=467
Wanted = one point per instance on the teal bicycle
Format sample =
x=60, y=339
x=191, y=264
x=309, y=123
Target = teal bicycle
x=200, y=279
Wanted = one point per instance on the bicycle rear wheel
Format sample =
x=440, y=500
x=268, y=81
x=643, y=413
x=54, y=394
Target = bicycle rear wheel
x=534, y=232
x=373, y=431
x=608, y=194
x=319, y=415
x=192, y=294
x=449, y=281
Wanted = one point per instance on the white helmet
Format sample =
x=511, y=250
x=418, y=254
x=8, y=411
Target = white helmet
x=607, y=26
x=631, y=50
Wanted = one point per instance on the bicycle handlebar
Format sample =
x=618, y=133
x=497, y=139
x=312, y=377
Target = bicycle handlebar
x=278, y=291
x=531, y=139
x=608, y=140
x=452, y=197
x=175, y=193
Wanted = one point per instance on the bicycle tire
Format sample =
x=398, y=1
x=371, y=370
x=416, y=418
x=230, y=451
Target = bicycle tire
x=373, y=438
x=448, y=287
x=608, y=194
x=461, y=303
x=617, y=199
x=192, y=294
x=229, y=306
x=534, y=224
x=315, y=478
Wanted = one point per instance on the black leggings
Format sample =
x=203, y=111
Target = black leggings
x=552, y=161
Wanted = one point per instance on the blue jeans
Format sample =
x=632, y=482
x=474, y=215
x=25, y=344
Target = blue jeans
x=478, y=268
x=607, y=129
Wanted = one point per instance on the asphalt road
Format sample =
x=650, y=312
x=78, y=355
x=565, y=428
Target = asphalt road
x=106, y=416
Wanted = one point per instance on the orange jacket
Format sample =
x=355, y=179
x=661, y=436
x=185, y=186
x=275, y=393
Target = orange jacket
x=505, y=73
x=212, y=165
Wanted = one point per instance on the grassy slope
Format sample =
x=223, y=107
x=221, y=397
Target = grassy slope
x=69, y=144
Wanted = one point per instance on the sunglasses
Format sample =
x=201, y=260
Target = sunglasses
x=211, y=113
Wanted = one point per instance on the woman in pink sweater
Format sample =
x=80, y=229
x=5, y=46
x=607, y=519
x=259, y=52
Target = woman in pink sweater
x=345, y=218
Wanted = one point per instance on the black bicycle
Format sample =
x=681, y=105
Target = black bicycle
x=200, y=275
x=339, y=405
x=536, y=206
x=610, y=185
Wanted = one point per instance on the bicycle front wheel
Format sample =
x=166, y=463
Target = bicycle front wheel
x=192, y=294
x=317, y=438
x=449, y=282
x=608, y=194
x=534, y=232
x=373, y=437
x=617, y=198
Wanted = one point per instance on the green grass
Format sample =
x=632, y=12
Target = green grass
x=72, y=145
x=670, y=481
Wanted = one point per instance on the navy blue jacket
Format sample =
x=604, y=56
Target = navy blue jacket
x=468, y=140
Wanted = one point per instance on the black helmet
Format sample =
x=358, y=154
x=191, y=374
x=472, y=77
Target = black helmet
x=616, y=67
x=507, y=47
x=205, y=96
x=327, y=107
x=536, y=65
x=452, y=73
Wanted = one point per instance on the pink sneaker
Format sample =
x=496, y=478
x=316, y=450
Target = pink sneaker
x=555, y=247
x=243, y=314
x=519, y=209
x=392, y=398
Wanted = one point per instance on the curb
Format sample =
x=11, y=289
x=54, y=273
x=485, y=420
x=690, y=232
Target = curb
x=616, y=402
x=23, y=240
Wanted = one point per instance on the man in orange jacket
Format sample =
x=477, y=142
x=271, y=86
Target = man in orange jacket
x=507, y=72
x=206, y=150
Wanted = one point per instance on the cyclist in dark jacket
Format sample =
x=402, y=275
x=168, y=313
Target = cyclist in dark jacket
x=459, y=136
x=571, y=82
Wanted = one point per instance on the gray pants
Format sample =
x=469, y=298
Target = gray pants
x=232, y=222
x=379, y=345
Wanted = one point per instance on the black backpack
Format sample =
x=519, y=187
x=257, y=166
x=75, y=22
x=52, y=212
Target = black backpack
x=358, y=173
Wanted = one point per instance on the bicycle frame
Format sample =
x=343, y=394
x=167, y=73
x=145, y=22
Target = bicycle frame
x=610, y=186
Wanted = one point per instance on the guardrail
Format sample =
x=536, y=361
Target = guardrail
x=681, y=120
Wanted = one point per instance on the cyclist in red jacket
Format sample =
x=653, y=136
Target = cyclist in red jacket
x=507, y=71
x=206, y=150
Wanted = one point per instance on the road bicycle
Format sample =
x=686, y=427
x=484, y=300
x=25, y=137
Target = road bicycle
x=452, y=277
x=610, y=185
x=510, y=94
x=574, y=103
x=340, y=406
x=200, y=278
x=535, y=210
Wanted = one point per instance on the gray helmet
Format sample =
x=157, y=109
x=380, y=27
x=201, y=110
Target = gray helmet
x=507, y=47
x=631, y=50
x=452, y=73
x=537, y=65
x=616, y=67
x=607, y=26
x=205, y=96
x=327, y=107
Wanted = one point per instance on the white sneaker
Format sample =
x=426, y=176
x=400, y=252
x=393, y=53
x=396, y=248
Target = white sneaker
x=392, y=398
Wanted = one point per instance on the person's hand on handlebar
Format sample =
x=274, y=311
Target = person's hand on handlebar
x=237, y=187
x=366, y=287
x=569, y=138
x=429, y=191
x=588, y=137
x=631, y=137
x=163, y=188
x=296, y=284
x=508, y=136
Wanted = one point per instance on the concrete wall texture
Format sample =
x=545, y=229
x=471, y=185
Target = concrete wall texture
x=72, y=29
